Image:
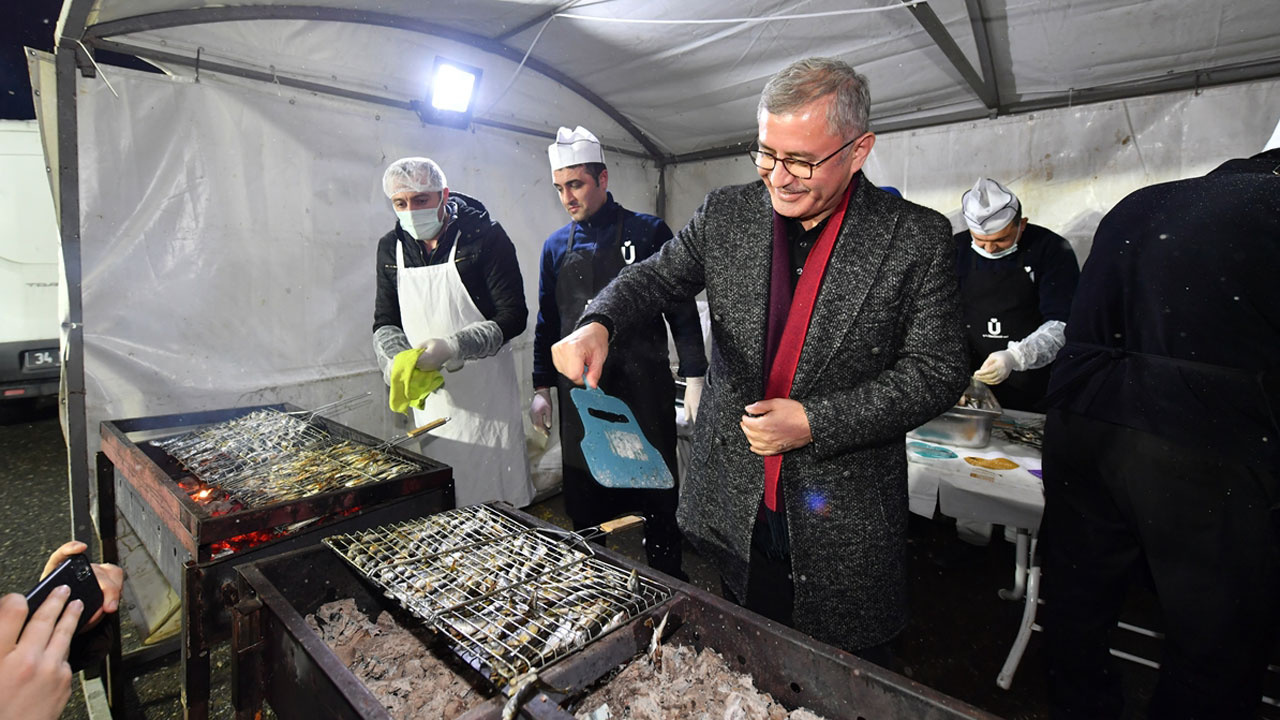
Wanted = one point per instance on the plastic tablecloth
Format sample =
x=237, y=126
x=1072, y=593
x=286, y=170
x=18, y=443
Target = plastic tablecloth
x=962, y=490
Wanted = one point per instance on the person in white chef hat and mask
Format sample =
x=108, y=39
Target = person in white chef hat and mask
x=1017, y=281
x=448, y=284
x=601, y=240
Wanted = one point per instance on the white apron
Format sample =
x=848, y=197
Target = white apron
x=484, y=442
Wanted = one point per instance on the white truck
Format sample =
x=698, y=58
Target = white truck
x=29, y=323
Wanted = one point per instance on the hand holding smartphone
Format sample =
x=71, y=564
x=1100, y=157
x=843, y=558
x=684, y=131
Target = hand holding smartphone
x=76, y=573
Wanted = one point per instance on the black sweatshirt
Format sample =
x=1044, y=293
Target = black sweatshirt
x=486, y=261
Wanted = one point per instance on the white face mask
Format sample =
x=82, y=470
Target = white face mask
x=421, y=224
x=995, y=255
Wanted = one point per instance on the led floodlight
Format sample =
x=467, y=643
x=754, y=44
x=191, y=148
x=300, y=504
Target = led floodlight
x=452, y=91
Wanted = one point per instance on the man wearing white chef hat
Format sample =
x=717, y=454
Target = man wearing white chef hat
x=1016, y=284
x=578, y=260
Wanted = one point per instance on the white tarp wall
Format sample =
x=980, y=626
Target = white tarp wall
x=229, y=227
x=229, y=232
x=1068, y=166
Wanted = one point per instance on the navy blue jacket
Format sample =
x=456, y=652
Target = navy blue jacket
x=647, y=233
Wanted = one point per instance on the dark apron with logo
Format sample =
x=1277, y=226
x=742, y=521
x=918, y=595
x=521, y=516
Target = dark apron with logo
x=638, y=373
x=1000, y=306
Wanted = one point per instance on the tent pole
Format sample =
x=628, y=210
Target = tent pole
x=65, y=63
x=1170, y=83
x=660, y=205
x=982, y=39
x=928, y=20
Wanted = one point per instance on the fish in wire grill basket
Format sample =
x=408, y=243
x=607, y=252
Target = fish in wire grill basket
x=269, y=456
x=1029, y=432
x=511, y=599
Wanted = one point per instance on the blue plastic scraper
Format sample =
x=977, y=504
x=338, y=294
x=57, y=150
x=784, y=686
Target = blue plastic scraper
x=617, y=452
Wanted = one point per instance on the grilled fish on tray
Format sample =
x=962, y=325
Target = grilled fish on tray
x=270, y=456
x=509, y=598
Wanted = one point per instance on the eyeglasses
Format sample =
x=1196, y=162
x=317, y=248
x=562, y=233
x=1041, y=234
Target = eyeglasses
x=802, y=169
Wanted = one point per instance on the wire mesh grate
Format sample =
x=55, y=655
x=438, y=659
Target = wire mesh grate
x=269, y=456
x=510, y=598
x=528, y=627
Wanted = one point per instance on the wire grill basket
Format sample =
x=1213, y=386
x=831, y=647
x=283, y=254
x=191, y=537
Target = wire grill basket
x=510, y=598
x=269, y=456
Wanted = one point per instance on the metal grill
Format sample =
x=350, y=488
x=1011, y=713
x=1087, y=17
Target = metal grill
x=1025, y=431
x=269, y=456
x=512, y=599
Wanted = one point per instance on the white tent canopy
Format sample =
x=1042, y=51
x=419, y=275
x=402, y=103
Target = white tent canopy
x=683, y=77
x=219, y=220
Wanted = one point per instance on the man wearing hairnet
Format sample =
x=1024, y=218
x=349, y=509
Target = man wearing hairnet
x=578, y=260
x=1016, y=284
x=449, y=289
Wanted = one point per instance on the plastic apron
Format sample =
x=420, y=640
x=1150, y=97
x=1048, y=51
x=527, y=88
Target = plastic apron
x=999, y=306
x=484, y=442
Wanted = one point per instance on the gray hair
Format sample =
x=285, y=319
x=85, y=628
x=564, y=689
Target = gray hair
x=806, y=81
x=415, y=174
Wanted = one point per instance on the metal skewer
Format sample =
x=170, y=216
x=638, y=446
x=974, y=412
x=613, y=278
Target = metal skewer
x=347, y=403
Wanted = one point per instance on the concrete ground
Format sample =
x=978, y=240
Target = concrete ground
x=956, y=643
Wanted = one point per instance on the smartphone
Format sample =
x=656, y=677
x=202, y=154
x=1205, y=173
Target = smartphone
x=76, y=574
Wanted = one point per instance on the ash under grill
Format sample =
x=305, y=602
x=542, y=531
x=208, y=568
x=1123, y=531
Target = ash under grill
x=511, y=599
x=680, y=681
x=278, y=659
x=270, y=456
x=409, y=680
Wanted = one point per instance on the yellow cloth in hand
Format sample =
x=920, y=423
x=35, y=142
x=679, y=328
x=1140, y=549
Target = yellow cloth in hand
x=409, y=385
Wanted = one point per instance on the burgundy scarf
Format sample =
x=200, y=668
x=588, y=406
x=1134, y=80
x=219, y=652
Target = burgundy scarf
x=789, y=317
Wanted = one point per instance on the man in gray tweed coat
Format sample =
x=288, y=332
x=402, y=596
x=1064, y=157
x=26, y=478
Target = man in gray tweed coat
x=835, y=330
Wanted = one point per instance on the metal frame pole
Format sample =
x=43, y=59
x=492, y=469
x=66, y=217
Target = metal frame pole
x=69, y=224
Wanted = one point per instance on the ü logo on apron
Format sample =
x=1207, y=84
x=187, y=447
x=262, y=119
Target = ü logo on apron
x=628, y=252
x=1002, y=303
x=993, y=328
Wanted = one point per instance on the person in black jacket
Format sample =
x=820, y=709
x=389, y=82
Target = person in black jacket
x=449, y=286
x=486, y=262
x=1162, y=449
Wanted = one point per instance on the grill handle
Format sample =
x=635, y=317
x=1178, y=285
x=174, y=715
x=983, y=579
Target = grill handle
x=611, y=526
x=428, y=427
x=388, y=444
x=580, y=538
x=623, y=523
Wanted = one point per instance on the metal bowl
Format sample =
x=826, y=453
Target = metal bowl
x=960, y=426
